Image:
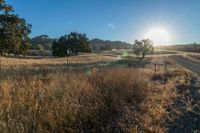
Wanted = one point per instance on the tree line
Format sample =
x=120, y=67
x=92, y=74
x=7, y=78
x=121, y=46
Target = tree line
x=74, y=43
x=14, y=38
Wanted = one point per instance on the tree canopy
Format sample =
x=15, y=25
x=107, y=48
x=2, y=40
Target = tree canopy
x=72, y=43
x=14, y=31
x=143, y=47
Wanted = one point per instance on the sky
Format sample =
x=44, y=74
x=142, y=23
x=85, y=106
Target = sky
x=124, y=20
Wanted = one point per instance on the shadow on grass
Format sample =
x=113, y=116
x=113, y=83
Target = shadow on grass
x=131, y=62
x=188, y=106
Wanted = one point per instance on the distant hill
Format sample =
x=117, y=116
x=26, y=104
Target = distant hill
x=194, y=47
x=43, y=40
x=98, y=44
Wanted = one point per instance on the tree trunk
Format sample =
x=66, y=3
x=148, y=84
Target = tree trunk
x=24, y=55
x=76, y=52
x=143, y=55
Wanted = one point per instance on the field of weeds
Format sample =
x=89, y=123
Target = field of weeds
x=100, y=100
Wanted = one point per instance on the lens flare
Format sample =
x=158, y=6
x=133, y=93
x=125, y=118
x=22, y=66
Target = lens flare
x=159, y=36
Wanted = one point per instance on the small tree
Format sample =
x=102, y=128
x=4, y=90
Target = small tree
x=143, y=47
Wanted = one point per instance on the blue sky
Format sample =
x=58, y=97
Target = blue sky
x=124, y=20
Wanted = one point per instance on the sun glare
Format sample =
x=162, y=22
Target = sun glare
x=159, y=36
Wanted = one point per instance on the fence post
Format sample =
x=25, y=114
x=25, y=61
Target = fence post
x=155, y=67
x=102, y=71
x=67, y=64
x=67, y=70
x=154, y=73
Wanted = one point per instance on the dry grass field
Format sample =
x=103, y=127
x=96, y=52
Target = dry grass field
x=84, y=58
x=99, y=66
x=104, y=99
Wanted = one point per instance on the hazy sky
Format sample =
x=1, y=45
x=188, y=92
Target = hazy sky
x=124, y=20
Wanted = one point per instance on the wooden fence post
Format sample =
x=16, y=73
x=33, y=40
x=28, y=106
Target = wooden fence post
x=165, y=67
x=67, y=63
x=155, y=67
x=67, y=70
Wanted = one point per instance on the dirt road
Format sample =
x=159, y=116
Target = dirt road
x=190, y=64
x=184, y=113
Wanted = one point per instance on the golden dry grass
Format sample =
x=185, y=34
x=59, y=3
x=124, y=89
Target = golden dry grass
x=84, y=58
x=101, y=100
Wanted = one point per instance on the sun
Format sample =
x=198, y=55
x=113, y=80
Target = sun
x=159, y=36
